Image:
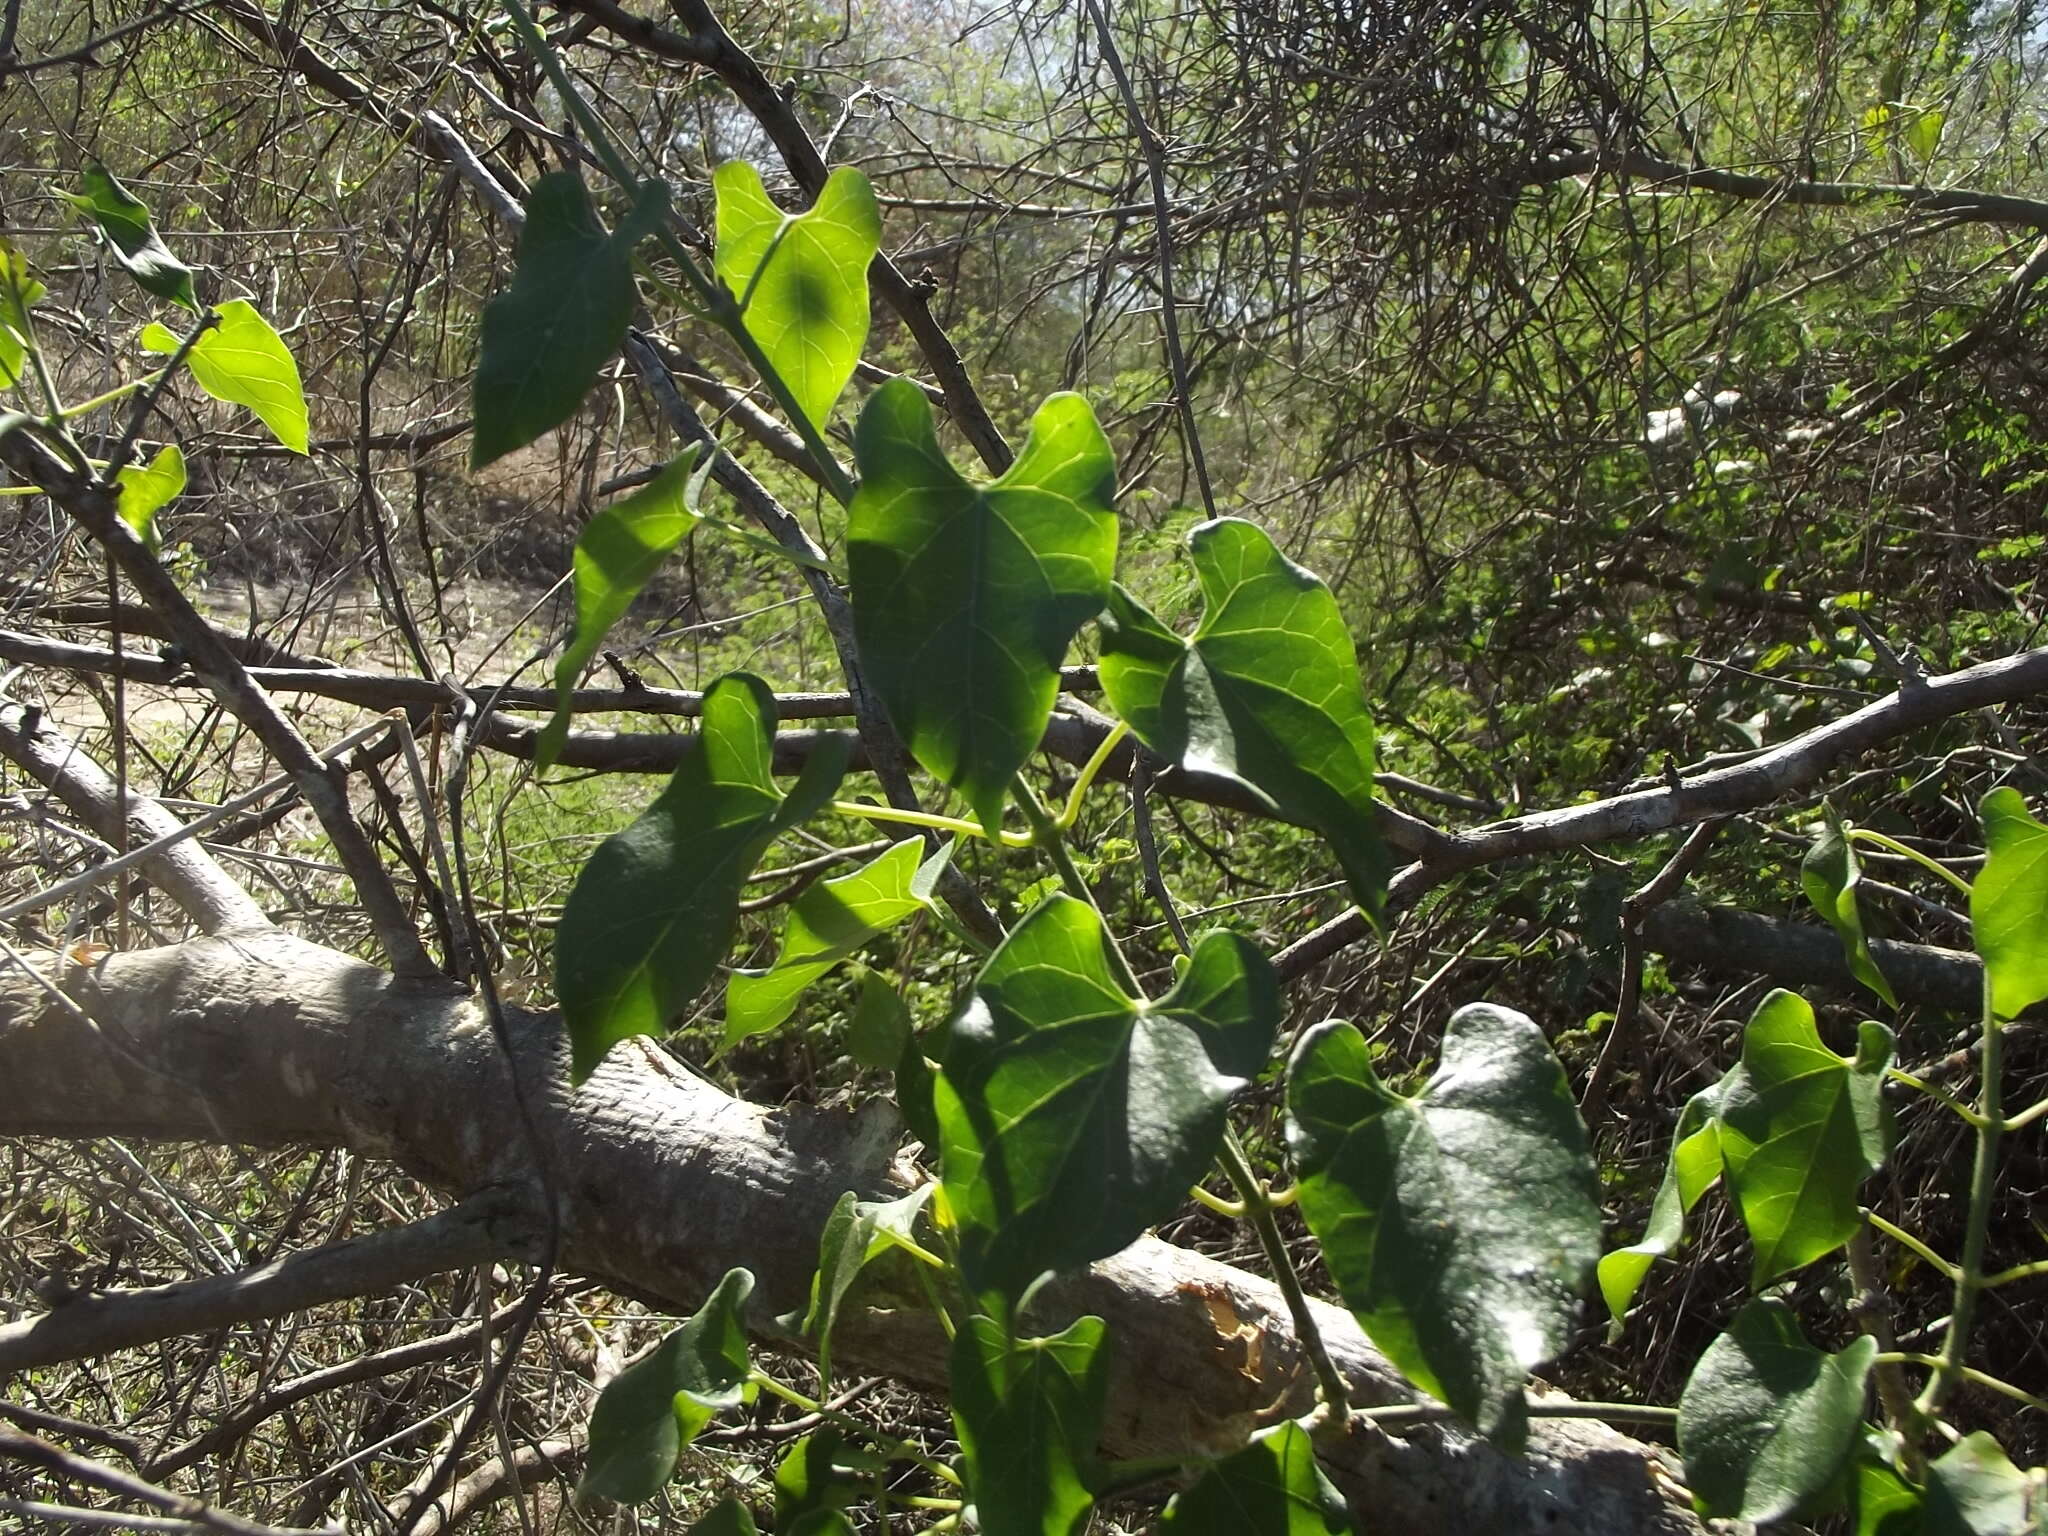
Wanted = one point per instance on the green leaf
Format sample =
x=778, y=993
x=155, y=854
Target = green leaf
x=1028, y=1413
x=1272, y=1487
x=546, y=337
x=1767, y=1421
x=1801, y=1129
x=880, y=1027
x=1830, y=874
x=2009, y=904
x=822, y=1471
x=658, y=1405
x=1883, y=1503
x=1974, y=1490
x=653, y=910
x=1694, y=1165
x=730, y=1518
x=826, y=924
x=966, y=596
x=1924, y=136
x=19, y=289
x=1266, y=691
x=1461, y=1225
x=856, y=1234
x=1073, y=1116
x=244, y=362
x=617, y=554
x=802, y=279
x=146, y=489
x=123, y=219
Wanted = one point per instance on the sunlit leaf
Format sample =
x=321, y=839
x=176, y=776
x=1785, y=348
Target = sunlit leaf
x=1694, y=1165
x=823, y=1472
x=1881, y=1502
x=1266, y=691
x=880, y=1026
x=856, y=1234
x=1073, y=1116
x=1973, y=1489
x=1270, y=1488
x=653, y=910
x=1461, y=1225
x=245, y=362
x=1830, y=874
x=966, y=596
x=123, y=219
x=19, y=289
x=146, y=489
x=1767, y=1421
x=1028, y=1413
x=2009, y=904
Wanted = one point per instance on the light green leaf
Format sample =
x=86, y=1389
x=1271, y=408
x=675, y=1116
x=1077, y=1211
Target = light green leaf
x=1973, y=1489
x=822, y=1473
x=658, y=1405
x=1924, y=136
x=1694, y=1165
x=1266, y=691
x=801, y=279
x=1073, y=1116
x=730, y=1518
x=244, y=362
x=2009, y=904
x=1460, y=1226
x=653, y=910
x=19, y=289
x=826, y=924
x=1028, y=1413
x=965, y=596
x=146, y=489
x=856, y=1234
x=1881, y=1503
x=123, y=219
x=546, y=337
x=1272, y=1487
x=1801, y=1129
x=617, y=554
x=880, y=1027
x=1830, y=874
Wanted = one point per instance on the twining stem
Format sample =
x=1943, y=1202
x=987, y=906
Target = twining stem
x=108, y=397
x=895, y=1447
x=1939, y=1095
x=1911, y=1243
x=1971, y=1374
x=1537, y=1408
x=1089, y=770
x=1893, y=845
x=954, y=824
x=1234, y=1209
x=1873, y=1313
x=1046, y=833
x=2027, y=1116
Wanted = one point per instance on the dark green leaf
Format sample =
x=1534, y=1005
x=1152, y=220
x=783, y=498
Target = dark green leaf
x=1266, y=691
x=18, y=290
x=1694, y=1165
x=1882, y=1502
x=546, y=337
x=1270, y=1488
x=653, y=910
x=1975, y=1490
x=1767, y=1421
x=1801, y=1129
x=245, y=362
x=1073, y=1116
x=856, y=1233
x=123, y=218
x=966, y=596
x=916, y=1086
x=730, y=1518
x=1831, y=874
x=822, y=1471
x=826, y=924
x=146, y=489
x=880, y=1027
x=1028, y=1413
x=2009, y=904
x=1462, y=1225
x=617, y=554
x=658, y=1405
x=802, y=280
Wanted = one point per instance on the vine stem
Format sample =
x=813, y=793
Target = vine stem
x=1046, y=833
x=850, y=1423
x=954, y=824
x=1873, y=1313
x=1893, y=845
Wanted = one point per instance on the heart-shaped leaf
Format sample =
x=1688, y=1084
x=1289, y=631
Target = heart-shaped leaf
x=146, y=489
x=1801, y=1129
x=1073, y=1116
x=123, y=219
x=1694, y=1165
x=658, y=1405
x=826, y=924
x=824, y=1470
x=966, y=596
x=1272, y=1487
x=1830, y=874
x=1881, y=1503
x=1767, y=1421
x=1028, y=1413
x=1461, y=1225
x=1266, y=691
x=730, y=1518
x=653, y=910
x=546, y=336
x=857, y=1233
x=880, y=1026
x=19, y=289
x=801, y=279
x=2009, y=904
x=617, y=554
x=1973, y=1489
x=245, y=362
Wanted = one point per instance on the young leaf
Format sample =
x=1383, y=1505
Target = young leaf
x=826, y=924
x=1694, y=1165
x=18, y=290
x=146, y=489
x=617, y=554
x=1801, y=1129
x=1881, y=1502
x=1028, y=1413
x=2009, y=904
x=1973, y=1489
x=822, y=1471
x=1266, y=691
x=801, y=280
x=1830, y=874
x=966, y=596
x=1272, y=1487
x=1460, y=1226
x=656, y=1406
x=880, y=1027
x=654, y=908
x=546, y=336
x=123, y=219
x=1073, y=1116
x=730, y=1518
x=244, y=362
x=856, y=1233
x=1767, y=1421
